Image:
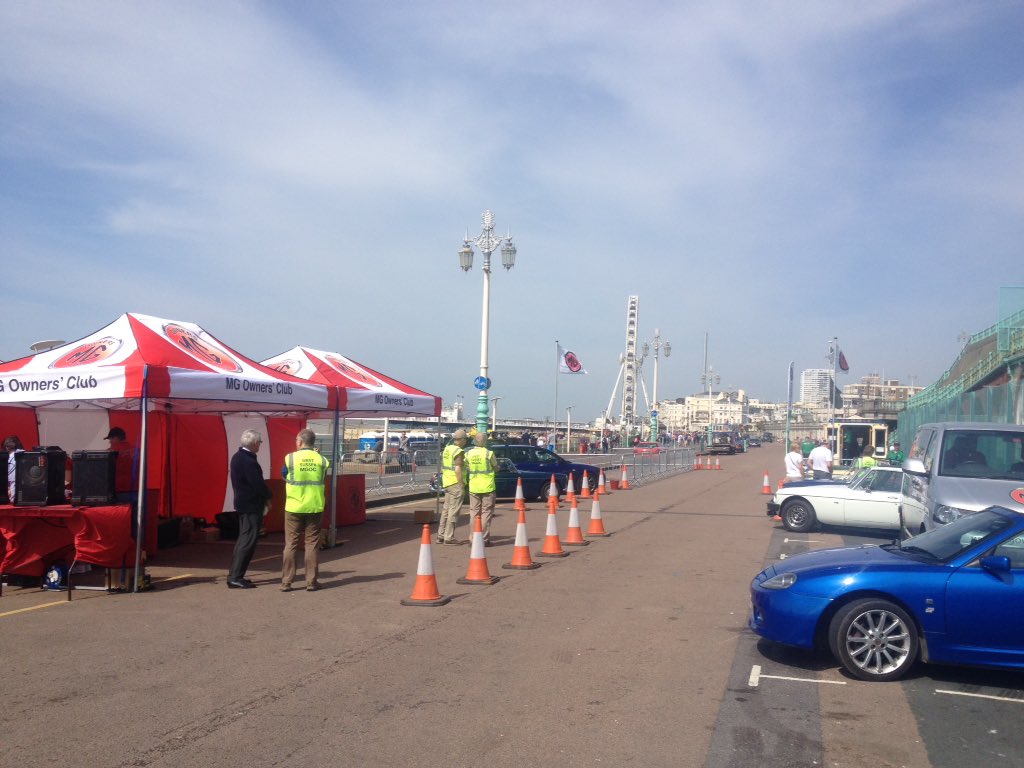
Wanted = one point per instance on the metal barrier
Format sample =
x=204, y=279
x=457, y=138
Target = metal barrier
x=395, y=470
x=648, y=467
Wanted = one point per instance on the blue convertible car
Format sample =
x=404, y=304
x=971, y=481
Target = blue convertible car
x=953, y=595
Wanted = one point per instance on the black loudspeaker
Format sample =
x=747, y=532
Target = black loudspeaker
x=39, y=477
x=92, y=480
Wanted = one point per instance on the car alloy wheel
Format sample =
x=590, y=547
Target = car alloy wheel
x=797, y=516
x=874, y=639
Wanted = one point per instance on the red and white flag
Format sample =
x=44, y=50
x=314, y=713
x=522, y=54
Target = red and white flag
x=568, y=362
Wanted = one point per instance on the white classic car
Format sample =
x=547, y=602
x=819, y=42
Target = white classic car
x=870, y=498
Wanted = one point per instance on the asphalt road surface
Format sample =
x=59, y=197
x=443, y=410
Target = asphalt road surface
x=632, y=651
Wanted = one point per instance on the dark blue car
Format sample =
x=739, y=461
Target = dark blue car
x=506, y=479
x=953, y=595
x=531, y=459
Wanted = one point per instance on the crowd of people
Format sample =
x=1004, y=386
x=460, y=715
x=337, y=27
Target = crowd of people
x=816, y=457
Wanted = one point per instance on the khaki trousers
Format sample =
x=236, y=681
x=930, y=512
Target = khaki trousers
x=482, y=504
x=450, y=512
x=296, y=528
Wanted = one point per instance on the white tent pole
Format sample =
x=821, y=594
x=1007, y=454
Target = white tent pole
x=332, y=533
x=140, y=504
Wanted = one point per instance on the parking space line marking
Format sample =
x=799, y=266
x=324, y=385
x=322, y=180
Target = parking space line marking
x=802, y=541
x=173, y=578
x=33, y=608
x=388, y=530
x=981, y=696
x=756, y=676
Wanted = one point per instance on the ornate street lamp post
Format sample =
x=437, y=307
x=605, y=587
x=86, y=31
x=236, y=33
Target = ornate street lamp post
x=487, y=242
x=656, y=344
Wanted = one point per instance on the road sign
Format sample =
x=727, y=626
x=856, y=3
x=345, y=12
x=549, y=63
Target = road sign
x=482, y=383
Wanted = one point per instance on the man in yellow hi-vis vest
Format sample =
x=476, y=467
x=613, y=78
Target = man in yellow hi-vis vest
x=304, y=473
x=482, y=465
x=453, y=480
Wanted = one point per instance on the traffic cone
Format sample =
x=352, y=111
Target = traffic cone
x=766, y=488
x=552, y=546
x=607, y=485
x=424, y=592
x=521, y=560
x=782, y=482
x=718, y=463
x=570, y=491
x=520, y=499
x=624, y=481
x=596, y=527
x=477, y=572
x=585, y=490
x=553, y=495
x=574, y=534
x=697, y=463
x=600, y=483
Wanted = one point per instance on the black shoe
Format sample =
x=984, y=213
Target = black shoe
x=240, y=584
x=247, y=582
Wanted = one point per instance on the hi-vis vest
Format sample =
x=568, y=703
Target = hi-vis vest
x=305, y=481
x=448, y=476
x=481, y=474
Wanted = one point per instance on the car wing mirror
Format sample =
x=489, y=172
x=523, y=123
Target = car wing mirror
x=506, y=465
x=914, y=467
x=996, y=563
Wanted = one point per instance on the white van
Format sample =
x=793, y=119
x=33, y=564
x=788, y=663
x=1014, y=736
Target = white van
x=956, y=468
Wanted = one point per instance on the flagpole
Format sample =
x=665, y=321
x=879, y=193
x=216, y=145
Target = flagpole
x=554, y=413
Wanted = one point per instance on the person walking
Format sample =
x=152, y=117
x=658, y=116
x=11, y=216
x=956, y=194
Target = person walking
x=794, y=463
x=820, y=460
x=453, y=480
x=252, y=499
x=304, y=474
x=482, y=465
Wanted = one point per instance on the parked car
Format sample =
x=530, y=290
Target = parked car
x=953, y=595
x=870, y=498
x=753, y=442
x=958, y=468
x=646, y=448
x=535, y=484
x=533, y=459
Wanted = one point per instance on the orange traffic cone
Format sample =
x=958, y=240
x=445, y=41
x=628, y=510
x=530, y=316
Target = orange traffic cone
x=766, y=488
x=520, y=499
x=574, y=534
x=782, y=482
x=600, y=483
x=553, y=495
x=424, y=592
x=596, y=527
x=718, y=463
x=552, y=546
x=624, y=482
x=521, y=560
x=477, y=572
x=697, y=463
x=585, y=490
x=570, y=491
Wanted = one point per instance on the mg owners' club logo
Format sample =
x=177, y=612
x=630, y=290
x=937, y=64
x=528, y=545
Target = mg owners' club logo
x=1017, y=494
x=353, y=373
x=199, y=349
x=572, y=363
x=88, y=353
x=289, y=367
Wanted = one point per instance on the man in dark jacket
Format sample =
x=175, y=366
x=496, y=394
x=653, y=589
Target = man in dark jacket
x=251, y=498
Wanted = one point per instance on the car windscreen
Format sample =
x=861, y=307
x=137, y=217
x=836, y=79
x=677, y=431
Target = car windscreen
x=946, y=542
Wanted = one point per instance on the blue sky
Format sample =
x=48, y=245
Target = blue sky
x=774, y=174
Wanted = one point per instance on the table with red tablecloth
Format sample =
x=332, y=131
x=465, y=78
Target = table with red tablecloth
x=31, y=538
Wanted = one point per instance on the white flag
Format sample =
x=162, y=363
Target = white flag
x=568, y=362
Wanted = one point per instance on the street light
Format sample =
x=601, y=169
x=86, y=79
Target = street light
x=656, y=345
x=494, y=413
x=708, y=378
x=487, y=243
x=568, y=426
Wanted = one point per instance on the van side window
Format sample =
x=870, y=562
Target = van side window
x=925, y=447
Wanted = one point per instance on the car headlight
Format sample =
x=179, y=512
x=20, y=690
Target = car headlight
x=944, y=514
x=780, y=581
